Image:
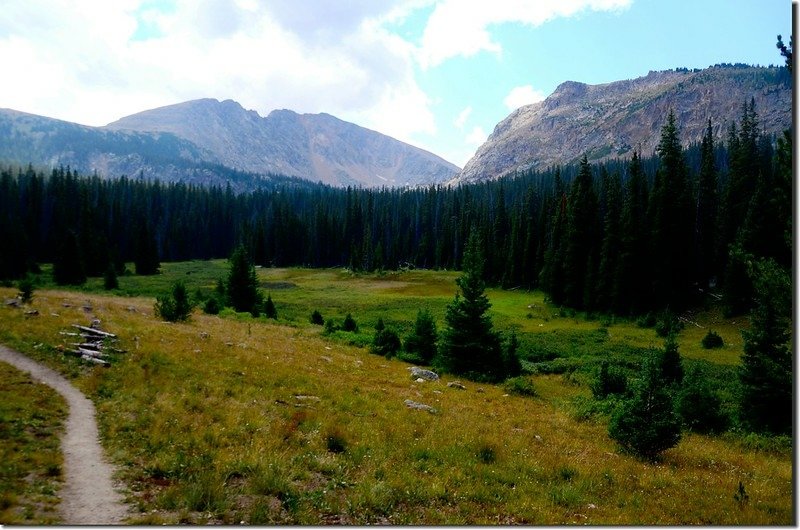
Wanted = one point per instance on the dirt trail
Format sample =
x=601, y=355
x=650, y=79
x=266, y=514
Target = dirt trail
x=88, y=496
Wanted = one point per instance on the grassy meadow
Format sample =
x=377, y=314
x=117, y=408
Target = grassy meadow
x=31, y=419
x=231, y=419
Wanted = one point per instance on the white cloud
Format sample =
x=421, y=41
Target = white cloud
x=95, y=61
x=522, y=95
x=462, y=118
x=461, y=27
x=476, y=137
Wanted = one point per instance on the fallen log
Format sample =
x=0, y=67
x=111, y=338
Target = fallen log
x=96, y=361
x=95, y=331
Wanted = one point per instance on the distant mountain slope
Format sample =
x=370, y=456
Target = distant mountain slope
x=610, y=120
x=207, y=141
x=314, y=146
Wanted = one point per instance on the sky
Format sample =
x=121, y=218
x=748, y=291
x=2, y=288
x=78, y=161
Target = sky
x=436, y=74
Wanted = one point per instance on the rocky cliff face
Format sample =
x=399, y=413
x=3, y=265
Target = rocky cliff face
x=319, y=147
x=611, y=120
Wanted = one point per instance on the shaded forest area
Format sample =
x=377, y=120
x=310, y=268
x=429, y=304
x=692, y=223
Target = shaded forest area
x=624, y=236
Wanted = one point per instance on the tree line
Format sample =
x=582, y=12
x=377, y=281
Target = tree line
x=626, y=236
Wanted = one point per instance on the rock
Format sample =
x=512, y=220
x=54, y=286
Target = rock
x=326, y=358
x=419, y=406
x=130, y=309
x=417, y=372
x=591, y=506
x=204, y=335
x=32, y=313
x=456, y=384
x=419, y=380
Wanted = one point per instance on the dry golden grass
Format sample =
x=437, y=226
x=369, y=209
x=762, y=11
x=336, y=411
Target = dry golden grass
x=229, y=421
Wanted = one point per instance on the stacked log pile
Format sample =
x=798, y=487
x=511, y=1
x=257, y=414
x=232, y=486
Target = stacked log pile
x=94, y=344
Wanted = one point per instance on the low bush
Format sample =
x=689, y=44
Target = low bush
x=712, y=340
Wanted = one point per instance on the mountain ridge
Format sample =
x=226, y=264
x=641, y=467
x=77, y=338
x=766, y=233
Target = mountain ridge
x=190, y=141
x=610, y=120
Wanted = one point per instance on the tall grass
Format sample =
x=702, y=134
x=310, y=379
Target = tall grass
x=229, y=420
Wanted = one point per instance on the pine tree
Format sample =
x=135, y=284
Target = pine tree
x=422, y=341
x=581, y=236
x=671, y=215
x=610, y=249
x=707, y=212
x=175, y=307
x=68, y=266
x=469, y=345
x=269, y=308
x=146, y=258
x=698, y=406
x=632, y=277
x=766, y=370
x=110, y=280
x=645, y=424
x=242, y=286
x=669, y=361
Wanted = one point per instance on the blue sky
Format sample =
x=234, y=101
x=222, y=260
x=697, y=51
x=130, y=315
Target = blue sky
x=437, y=74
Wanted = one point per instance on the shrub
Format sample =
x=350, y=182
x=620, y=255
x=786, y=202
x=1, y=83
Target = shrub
x=335, y=442
x=26, y=288
x=349, y=324
x=610, y=380
x=520, y=386
x=386, y=342
x=316, y=318
x=668, y=324
x=712, y=340
x=175, y=307
x=646, y=321
x=330, y=326
x=698, y=406
x=212, y=306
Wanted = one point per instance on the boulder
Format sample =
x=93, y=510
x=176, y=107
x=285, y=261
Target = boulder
x=456, y=384
x=419, y=406
x=417, y=373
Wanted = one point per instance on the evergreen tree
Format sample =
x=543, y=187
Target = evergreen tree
x=671, y=217
x=469, y=345
x=269, y=308
x=610, y=249
x=242, y=286
x=669, y=361
x=707, y=212
x=110, y=280
x=385, y=342
x=698, y=406
x=511, y=363
x=766, y=370
x=68, y=266
x=349, y=324
x=175, y=307
x=146, y=258
x=632, y=277
x=645, y=424
x=422, y=341
x=316, y=318
x=581, y=236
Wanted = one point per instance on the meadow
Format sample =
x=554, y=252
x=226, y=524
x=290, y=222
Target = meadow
x=233, y=419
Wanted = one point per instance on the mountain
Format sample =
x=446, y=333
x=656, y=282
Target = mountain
x=611, y=120
x=208, y=141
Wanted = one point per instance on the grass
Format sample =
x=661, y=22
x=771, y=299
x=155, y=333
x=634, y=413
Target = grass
x=31, y=420
x=229, y=418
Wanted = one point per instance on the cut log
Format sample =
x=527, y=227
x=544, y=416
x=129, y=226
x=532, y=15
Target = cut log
x=96, y=361
x=92, y=353
x=95, y=331
x=69, y=334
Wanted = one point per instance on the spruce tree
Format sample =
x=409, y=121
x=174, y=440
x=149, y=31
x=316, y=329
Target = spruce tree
x=469, y=345
x=68, y=266
x=242, y=286
x=766, y=370
x=146, y=258
x=422, y=341
x=176, y=306
x=269, y=308
x=581, y=236
x=645, y=424
x=707, y=212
